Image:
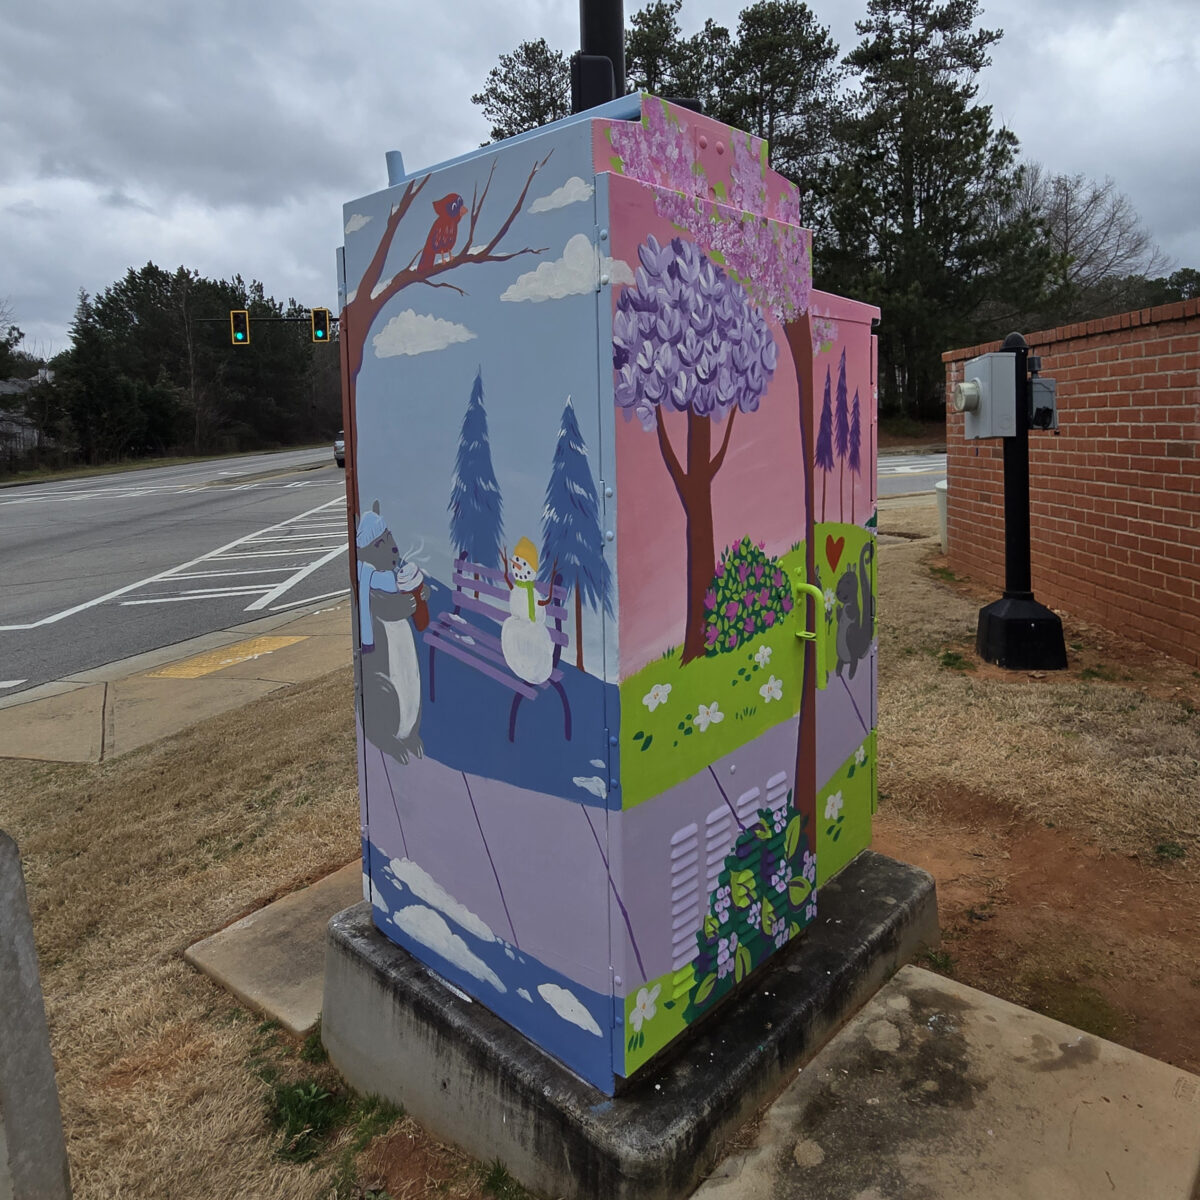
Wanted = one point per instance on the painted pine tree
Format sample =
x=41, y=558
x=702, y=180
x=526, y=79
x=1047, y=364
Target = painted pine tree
x=476, y=508
x=841, y=428
x=824, y=449
x=855, y=457
x=571, y=535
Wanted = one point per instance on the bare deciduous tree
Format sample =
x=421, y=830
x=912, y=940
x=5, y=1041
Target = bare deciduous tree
x=1095, y=238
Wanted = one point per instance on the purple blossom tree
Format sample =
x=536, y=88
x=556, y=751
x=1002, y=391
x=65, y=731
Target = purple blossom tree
x=757, y=238
x=841, y=424
x=855, y=459
x=823, y=454
x=687, y=339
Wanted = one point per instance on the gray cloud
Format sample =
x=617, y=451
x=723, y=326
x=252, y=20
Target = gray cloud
x=227, y=136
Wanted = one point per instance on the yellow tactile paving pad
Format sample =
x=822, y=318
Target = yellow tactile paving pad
x=226, y=656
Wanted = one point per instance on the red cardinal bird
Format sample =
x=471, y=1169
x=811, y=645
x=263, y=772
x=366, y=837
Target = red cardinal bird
x=444, y=233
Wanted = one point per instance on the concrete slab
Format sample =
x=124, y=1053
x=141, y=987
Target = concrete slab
x=60, y=687
x=273, y=960
x=33, y=1154
x=394, y=1029
x=142, y=709
x=316, y=655
x=936, y=1091
x=68, y=727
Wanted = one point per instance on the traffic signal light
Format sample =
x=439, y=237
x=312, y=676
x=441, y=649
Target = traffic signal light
x=239, y=327
x=320, y=324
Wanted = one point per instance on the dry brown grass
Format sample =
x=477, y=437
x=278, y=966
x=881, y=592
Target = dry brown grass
x=127, y=863
x=1110, y=747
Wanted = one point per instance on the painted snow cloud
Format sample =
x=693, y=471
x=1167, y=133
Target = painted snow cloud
x=574, y=191
x=425, y=887
x=356, y=222
x=430, y=929
x=569, y=1007
x=416, y=333
x=575, y=274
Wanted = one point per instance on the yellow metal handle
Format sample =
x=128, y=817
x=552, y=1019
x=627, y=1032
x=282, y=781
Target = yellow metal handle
x=816, y=636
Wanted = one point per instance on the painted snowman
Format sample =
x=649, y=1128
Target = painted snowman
x=524, y=637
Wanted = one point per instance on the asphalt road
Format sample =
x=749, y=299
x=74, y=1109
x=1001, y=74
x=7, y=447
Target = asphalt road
x=900, y=474
x=98, y=569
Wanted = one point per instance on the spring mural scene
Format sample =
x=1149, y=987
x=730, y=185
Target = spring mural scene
x=611, y=462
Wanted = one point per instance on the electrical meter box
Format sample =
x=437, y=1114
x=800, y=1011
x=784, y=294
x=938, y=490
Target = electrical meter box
x=1043, y=403
x=611, y=470
x=987, y=396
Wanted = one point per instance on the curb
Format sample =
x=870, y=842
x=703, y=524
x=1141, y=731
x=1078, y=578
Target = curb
x=122, y=668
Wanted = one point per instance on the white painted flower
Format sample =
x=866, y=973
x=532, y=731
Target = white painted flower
x=656, y=695
x=706, y=715
x=833, y=806
x=771, y=690
x=762, y=655
x=860, y=756
x=644, y=1007
x=829, y=600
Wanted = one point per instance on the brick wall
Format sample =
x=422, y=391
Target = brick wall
x=1115, y=498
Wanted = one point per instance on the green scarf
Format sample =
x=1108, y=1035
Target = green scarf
x=521, y=583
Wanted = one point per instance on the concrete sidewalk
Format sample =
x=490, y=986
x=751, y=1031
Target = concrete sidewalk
x=98, y=714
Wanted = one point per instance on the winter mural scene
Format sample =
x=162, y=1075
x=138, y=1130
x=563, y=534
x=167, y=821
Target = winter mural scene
x=611, y=467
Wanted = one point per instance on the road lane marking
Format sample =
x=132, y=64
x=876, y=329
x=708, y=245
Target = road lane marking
x=311, y=599
x=290, y=582
x=226, y=656
x=167, y=574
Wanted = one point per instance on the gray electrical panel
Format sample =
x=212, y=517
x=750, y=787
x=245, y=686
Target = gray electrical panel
x=987, y=396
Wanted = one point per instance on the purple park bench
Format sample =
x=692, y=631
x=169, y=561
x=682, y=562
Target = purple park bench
x=483, y=591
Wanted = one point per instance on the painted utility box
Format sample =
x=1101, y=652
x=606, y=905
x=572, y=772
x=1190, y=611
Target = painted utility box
x=612, y=479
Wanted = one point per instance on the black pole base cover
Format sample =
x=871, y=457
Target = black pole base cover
x=1021, y=635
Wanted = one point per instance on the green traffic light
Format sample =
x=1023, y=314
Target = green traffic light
x=241, y=337
x=320, y=333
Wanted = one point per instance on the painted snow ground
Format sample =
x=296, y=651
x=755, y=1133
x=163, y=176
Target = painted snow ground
x=567, y=1020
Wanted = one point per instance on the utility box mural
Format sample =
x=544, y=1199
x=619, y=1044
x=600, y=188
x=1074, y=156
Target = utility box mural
x=612, y=479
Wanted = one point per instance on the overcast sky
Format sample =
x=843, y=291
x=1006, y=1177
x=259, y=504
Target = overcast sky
x=226, y=136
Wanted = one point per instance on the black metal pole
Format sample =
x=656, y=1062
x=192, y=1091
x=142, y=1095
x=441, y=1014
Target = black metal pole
x=1016, y=631
x=1018, y=576
x=602, y=32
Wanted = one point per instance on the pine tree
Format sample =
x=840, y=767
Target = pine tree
x=841, y=424
x=530, y=87
x=824, y=450
x=922, y=215
x=572, y=542
x=476, y=509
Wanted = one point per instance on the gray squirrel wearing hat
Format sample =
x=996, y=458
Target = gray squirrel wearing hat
x=392, y=598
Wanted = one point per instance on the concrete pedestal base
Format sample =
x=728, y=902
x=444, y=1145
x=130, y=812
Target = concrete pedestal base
x=395, y=1030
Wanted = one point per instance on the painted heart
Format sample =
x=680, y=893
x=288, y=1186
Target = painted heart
x=833, y=550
